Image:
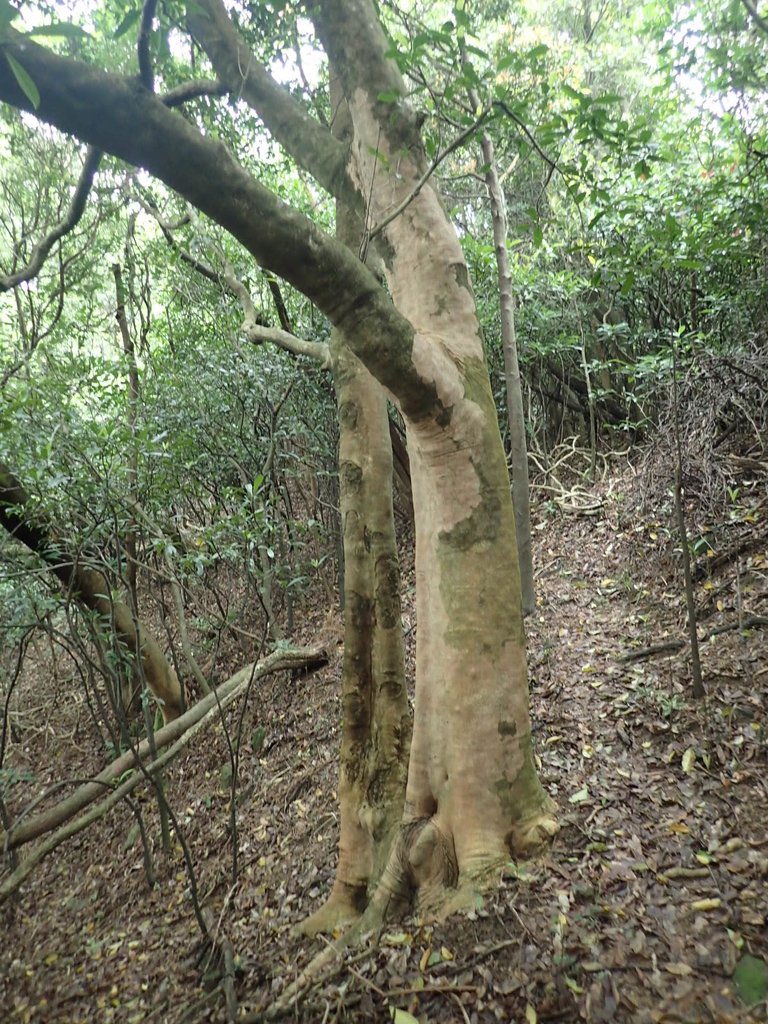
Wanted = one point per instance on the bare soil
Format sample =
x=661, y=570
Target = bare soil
x=648, y=908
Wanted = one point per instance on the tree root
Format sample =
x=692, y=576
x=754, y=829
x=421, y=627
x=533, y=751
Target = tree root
x=422, y=868
x=337, y=914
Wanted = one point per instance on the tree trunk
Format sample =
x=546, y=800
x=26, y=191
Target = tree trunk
x=92, y=588
x=473, y=795
x=376, y=727
x=520, y=484
x=521, y=499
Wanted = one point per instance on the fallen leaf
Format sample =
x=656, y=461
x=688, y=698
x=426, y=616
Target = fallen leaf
x=579, y=796
x=751, y=979
x=711, y=904
x=680, y=970
x=402, y=1016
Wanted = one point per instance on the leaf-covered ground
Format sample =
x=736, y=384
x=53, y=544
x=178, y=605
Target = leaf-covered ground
x=652, y=906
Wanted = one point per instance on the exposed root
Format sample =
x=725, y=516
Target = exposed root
x=422, y=870
x=533, y=835
x=324, y=966
x=336, y=915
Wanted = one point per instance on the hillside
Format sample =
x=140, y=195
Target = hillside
x=651, y=906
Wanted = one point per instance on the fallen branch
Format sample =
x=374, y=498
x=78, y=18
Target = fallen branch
x=291, y=658
x=670, y=646
x=205, y=712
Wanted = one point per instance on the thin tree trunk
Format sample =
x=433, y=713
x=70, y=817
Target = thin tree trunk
x=376, y=728
x=132, y=463
x=521, y=499
x=698, y=684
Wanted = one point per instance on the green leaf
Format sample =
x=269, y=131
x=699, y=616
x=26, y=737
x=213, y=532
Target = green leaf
x=751, y=979
x=24, y=80
x=579, y=796
x=538, y=235
x=402, y=1016
x=388, y=97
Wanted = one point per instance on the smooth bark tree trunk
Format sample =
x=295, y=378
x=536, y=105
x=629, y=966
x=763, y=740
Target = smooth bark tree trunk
x=473, y=796
x=376, y=725
x=92, y=589
x=521, y=500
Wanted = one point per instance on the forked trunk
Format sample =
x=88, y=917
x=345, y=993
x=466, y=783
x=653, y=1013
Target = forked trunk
x=376, y=726
x=473, y=797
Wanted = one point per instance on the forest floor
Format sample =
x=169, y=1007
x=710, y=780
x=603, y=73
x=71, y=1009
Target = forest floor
x=650, y=907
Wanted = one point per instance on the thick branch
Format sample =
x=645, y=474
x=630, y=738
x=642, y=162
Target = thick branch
x=309, y=143
x=73, y=217
x=354, y=40
x=121, y=117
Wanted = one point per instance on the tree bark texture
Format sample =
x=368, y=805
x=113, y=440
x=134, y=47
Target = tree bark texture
x=376, y=726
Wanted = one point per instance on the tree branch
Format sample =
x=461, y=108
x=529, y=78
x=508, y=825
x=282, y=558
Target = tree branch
x=146, y=74
x=256, y=332
x=759, y=20
x=193, y=90
x=552, y=164
x=119, y=116
x=23, y=832
x=251, y=328
x=175, y=736
x=309, y=143
x=74, y=214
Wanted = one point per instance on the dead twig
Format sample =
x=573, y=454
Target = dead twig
x=670, y=646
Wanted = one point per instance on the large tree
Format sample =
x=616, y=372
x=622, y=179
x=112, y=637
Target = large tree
x=473, y=796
